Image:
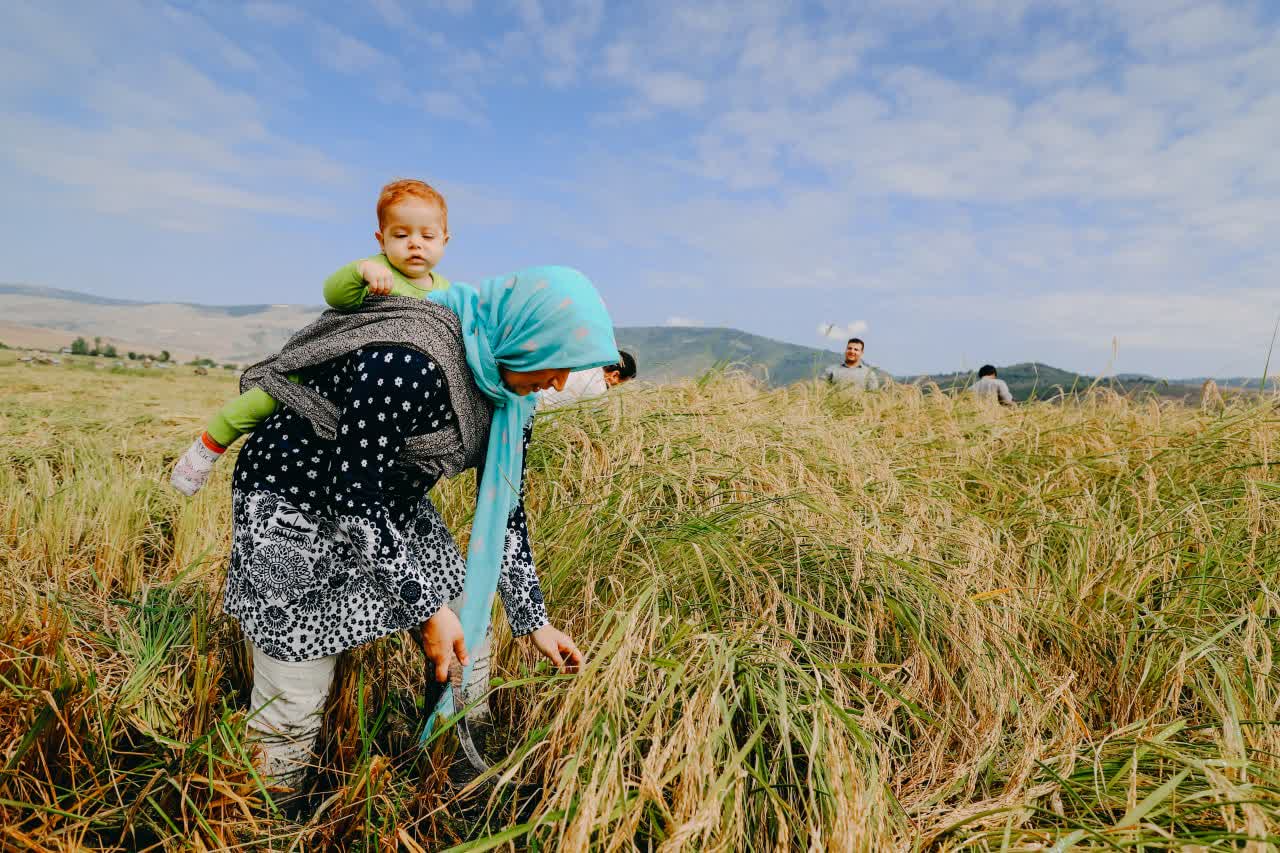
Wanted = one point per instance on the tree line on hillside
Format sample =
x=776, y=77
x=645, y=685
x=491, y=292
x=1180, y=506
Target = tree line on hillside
x=199, y=361
x=81, y=347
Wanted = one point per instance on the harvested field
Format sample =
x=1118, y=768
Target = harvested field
x=813, y=622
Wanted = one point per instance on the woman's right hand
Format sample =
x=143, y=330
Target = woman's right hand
x=377, y=276
x=442, y=638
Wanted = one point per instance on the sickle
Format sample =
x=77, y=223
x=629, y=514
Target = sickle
x=434, y=690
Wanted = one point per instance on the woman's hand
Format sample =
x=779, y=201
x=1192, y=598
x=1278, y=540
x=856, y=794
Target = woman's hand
x=557, y=647
x=377, y=276
x=442, y=638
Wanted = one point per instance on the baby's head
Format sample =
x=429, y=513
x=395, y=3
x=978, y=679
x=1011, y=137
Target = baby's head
x=413, y=227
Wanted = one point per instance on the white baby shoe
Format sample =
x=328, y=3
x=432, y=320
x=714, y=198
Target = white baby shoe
x=193, y=467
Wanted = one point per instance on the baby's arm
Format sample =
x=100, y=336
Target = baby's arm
x=347, y=288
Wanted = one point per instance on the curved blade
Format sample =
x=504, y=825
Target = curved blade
x=433, y=691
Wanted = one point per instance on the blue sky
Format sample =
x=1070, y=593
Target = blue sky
x=961, y=182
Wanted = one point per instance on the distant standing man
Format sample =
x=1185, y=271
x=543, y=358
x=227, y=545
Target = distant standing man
x=853, y=373
x=989, y=386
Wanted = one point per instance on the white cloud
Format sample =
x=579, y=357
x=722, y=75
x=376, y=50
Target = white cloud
x=786, y=62
x=472, y=207
x=392, y=12
x=156, y=136
x=206, y=38
x=837, y=332
x=921, y=134
x=739, y=54
x=125, y=171
x=980, y=15
x=684, y=322
x=451, y=105
x=346, y=53
x=1135, y=171
x=1191, y=326
x=455, y=69
x=671, y=89
x=1053, y=64
x=677, y=280
x=1193, y=29
x=562, y=34
x=275, y=14
x=418, y=21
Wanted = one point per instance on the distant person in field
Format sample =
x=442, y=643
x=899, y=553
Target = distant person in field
x=413, y=230
x=336, y=541
x=989, y=386
x=854, y=373
x=590, y=383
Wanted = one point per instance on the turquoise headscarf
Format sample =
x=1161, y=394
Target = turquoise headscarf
x=541, y=317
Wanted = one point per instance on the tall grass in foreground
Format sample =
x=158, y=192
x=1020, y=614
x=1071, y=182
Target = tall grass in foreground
x=813, y=621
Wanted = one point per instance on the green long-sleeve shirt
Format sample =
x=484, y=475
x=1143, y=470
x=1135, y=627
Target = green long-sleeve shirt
x=345, y=289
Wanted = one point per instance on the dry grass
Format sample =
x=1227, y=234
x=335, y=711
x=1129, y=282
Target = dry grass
x=814, y=622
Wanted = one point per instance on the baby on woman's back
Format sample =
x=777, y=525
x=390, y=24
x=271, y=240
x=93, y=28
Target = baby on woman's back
x=413, y=230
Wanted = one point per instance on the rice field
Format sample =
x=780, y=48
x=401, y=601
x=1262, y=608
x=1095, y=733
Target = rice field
x=900, y=621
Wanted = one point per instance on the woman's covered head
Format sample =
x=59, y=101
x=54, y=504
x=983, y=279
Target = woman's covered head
x=544, y=322
x=526, y=331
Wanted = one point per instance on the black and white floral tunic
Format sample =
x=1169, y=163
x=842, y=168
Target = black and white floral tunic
x=337, y=543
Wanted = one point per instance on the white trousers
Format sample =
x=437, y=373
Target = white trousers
x=286, y=709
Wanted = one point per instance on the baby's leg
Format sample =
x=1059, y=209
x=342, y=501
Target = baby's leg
x=193, y=467
x=241, y=415
x=286, y=710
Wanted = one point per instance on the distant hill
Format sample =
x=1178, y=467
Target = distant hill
x=40, y=316
x=20, y=290
x=235, y=333
x=57, y=293
x=48, y=318
x=666, y=353
x=1032, y=380
x=1243, y=383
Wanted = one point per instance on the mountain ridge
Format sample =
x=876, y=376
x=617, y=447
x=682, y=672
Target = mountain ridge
x=36, y=316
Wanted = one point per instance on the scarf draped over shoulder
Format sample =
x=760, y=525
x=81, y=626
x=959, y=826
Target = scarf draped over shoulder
x=538, y=318
x=419, y=324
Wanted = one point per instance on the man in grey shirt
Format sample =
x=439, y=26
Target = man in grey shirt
x=989, y=386
x=853, y=373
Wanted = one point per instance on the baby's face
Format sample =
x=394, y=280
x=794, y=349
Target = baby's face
x=413, y=237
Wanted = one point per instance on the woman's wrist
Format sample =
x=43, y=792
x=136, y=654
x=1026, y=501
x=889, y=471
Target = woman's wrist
x=531, y=628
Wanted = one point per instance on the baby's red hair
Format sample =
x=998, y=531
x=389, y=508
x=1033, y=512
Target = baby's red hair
x=397, y=191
